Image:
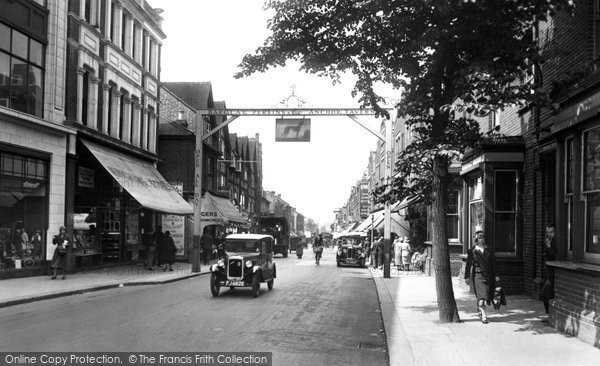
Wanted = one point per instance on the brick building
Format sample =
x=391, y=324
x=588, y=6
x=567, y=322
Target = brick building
x=564, y=176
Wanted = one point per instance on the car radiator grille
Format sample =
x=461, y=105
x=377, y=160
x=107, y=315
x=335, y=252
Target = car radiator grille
x=235, y=268
x=350, y=253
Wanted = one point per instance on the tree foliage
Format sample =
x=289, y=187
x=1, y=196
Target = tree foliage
x=452, y=59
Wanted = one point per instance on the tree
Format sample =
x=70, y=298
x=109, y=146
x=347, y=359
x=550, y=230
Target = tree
x=451, y=58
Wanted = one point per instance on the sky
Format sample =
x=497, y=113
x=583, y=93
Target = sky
x=206, y=41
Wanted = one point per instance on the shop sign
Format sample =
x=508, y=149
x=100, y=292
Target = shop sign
x=85, y=177
x=292, y=129
x=178, y=187
x=175, y=224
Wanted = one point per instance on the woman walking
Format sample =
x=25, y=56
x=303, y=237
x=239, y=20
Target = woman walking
x=62, y=240
x=481, y=272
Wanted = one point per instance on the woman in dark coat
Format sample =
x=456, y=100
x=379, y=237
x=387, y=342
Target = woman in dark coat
x=481, y=271
x=166, y=251
x=62, y=240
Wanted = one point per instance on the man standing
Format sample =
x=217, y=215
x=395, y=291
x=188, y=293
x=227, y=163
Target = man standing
x=547, y=290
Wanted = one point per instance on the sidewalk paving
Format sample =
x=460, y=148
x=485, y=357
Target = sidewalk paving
x=515, y=335
x=22, y=290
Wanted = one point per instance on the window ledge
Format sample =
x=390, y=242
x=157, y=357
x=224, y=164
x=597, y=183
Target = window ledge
x=585, y=267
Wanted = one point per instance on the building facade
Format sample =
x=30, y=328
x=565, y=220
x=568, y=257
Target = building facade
x=115, y=196
x=34, y=143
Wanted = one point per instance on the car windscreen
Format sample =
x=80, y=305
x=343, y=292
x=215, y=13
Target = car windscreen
x=242, y=246
x=351, y=241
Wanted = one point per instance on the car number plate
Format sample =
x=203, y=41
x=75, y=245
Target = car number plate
x=234, y=283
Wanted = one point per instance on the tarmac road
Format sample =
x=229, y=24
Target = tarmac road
x=315, y=315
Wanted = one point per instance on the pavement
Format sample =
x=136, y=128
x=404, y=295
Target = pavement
x=515, y=335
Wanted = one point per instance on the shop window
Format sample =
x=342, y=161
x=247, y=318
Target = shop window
x=591, y=192
x=569, y=192
x=475, y=207
x=505, y=216
x=23, y=217
x=452, y=221
x=21, y=72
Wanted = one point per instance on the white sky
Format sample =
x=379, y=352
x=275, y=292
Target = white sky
x=206, y=40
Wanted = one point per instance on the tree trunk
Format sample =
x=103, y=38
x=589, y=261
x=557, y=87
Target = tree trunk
x=448, y=311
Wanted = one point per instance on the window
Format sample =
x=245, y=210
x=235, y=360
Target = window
x=505, y=206
x=452, y=222
x=23, y=198
x=569, y=192
x=591, y=191
x=85, y=97
x=475, y=207
x=21, y=72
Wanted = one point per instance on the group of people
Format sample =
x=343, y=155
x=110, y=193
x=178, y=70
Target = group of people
x=212, y=248
x=481, y=274
x=403, y=254
x=160, y=250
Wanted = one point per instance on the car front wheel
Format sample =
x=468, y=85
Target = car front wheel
x=270, y=284
x=214, y=285
x=255, y=285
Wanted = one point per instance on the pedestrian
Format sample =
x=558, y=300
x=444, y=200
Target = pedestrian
x=166, y=252
x=375, y=252
x=62, y=240
x=206, y=244
x=547, y=290
x=405, y=253
x=397, y=252
x=318, y=248
x=24, y=245
x=481, y=272
x=157, y=237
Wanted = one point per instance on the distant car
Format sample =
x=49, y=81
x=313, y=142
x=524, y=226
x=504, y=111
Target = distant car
x=248, y=262
x=351, y=249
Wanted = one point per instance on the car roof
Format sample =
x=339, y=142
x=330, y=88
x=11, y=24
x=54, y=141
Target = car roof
x=248, y=236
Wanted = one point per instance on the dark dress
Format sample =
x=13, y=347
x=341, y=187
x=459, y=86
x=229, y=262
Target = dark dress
x=58, y=260
x=166, y=251
x=481, y=269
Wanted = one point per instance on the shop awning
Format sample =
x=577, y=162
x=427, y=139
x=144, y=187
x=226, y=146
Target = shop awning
x=366, y=224
x=218, y=210
x=405, y=203
x=141, y=180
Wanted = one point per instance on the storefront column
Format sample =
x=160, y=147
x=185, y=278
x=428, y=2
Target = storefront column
x=82, y=9
x=152, y=132
x=80, y=74
x=138, y=43
x=70, y=183
x=144, y=137
x=92, y=119
x=126, y=131
x=105, y=105
x=135, y=138
x=115, y=114
x=107, y=18
x=118, y=26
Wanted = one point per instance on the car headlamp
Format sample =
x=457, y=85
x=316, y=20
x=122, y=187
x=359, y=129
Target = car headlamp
x=248, y=263
x=221, y=263
x=359, y=251
x=345, y=250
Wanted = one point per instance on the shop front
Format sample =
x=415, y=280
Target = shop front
x=119, y=202
x=572, y=166
x=492, y=176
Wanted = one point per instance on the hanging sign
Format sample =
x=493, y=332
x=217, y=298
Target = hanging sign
x=292, y=129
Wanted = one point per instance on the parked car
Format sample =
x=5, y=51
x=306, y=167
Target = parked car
x=248, y=261
x=351, y=249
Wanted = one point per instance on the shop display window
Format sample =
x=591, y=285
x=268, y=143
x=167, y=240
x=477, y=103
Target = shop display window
x=85, y=234
x=505, y=205
x=23, y=210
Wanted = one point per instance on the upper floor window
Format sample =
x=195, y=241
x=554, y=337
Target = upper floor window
x=21, y=72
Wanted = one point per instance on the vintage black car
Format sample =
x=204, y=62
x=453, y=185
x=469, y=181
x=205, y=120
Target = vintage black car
x=248, y=261
x=351, y=249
